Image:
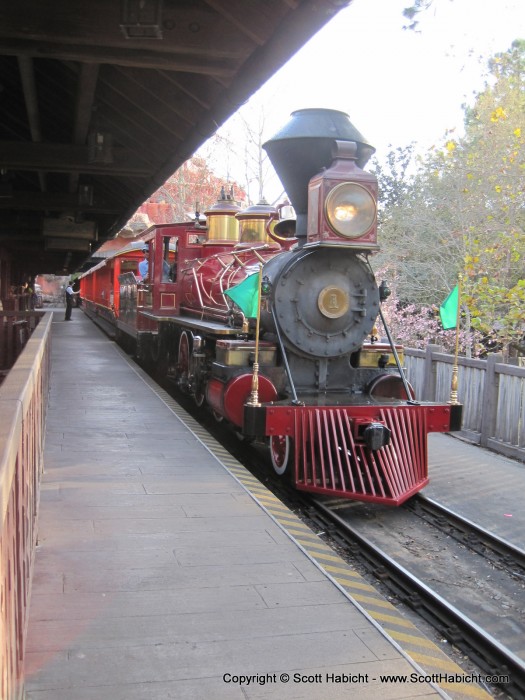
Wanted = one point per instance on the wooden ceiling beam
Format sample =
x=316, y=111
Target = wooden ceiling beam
x=27, y=75
x=53, y=201
x=153, y=88
x=87, y=85
x=193, y=88
x=256, y=26
x=143, y=96
x=185, y=23
x=133, y=116
x=85, y=97
x=66, y=158
x=136, y=58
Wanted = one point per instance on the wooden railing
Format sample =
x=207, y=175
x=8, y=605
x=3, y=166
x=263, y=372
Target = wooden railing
x=492, y=394
x=23, y=402
x=16, y=328
x=17, y=302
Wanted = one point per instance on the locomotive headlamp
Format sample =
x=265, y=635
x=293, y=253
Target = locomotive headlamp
x=342, y=202
x=350, y=210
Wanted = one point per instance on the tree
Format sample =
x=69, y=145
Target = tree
x=192, y=187
x=462, y=212
x=491, y=158
x=415, y=229
x=237, y=150
x=394, y=179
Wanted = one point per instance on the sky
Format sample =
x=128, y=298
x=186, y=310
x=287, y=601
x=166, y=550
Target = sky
x=396, y=85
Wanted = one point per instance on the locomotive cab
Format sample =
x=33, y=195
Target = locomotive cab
x=162, y=258
x=169, y=248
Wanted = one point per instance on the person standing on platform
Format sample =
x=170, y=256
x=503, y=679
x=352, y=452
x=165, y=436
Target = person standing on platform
x=70, y=294
x=27, y=302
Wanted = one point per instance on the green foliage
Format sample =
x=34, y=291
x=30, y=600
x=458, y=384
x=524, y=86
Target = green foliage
x=462, y=212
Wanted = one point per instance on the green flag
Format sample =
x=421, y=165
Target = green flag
x=246, y=295
x=448, y=311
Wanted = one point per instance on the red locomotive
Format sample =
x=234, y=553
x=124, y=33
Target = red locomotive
x=276, y=334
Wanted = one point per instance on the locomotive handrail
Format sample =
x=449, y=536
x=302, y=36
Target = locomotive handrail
x=259, y=256
x=223, y=288
x=222, y=262
x=231, y=253
x=288, y=371
x=197, y=286
x=406, y=385
x=203, y=307
x=250, y=248
x=223, y=284
x=255, y=251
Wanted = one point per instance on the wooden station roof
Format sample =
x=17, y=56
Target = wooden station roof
x=102, y=100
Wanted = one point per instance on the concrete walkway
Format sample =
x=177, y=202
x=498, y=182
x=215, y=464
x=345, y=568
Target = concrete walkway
x=479, y=484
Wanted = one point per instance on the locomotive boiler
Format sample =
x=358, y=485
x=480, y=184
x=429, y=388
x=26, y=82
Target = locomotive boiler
x=276, y=334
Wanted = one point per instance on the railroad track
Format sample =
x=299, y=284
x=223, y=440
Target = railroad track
x=501, y=553
x=485, y=650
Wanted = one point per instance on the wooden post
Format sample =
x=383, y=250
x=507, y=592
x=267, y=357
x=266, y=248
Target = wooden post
x=490, y=399
x=429, y=374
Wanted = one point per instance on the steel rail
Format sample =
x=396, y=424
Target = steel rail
x=468, y=532
x=483, y=649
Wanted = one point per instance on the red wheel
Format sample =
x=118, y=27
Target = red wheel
x=188, y=376
x=281, y=454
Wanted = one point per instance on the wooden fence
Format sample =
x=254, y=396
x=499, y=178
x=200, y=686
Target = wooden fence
x=492, y=394
x=23, y=403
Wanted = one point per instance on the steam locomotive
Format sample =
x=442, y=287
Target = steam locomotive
x=270, y=322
